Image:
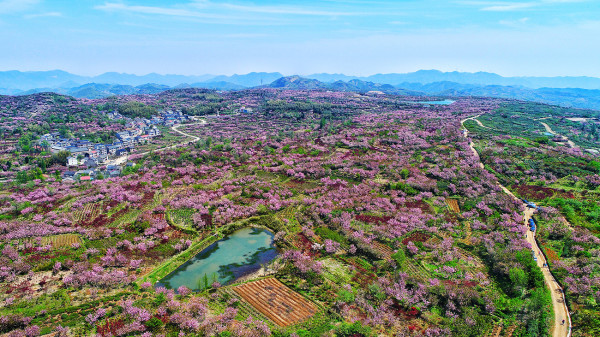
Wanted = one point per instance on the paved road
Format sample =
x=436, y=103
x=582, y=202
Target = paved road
x=558, y=300
x=123, y=159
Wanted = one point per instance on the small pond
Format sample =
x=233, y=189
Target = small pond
x=238, y=254
x=444, y=102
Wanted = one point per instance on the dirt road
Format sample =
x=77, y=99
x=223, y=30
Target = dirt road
x=549, y=130
x=466, y=134
x=558, y=300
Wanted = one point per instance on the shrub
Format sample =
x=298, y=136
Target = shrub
x=355, y=329
x=153, y=324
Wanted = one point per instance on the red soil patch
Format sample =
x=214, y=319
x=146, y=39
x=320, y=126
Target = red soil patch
x=362, y=276
x=422, y=205
x=400, y=311
x=110, y=327
x=416, y=237
x=305, y=245
x=540, y=193
x=373, y=218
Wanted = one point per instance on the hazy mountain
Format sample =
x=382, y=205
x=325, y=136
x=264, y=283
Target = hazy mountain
x=37, y=79
x=248, y=80
x=10, y=92
x=100, y=90
x=16, y=80
x=580, y=92
x=330, y=78
x=301, y=83
x=483, y=78
x=568, y=97
x=218, y=85
x=430, y=76
x=60, y=79
x=130, y=79
x=296, y=82
x=364, y=86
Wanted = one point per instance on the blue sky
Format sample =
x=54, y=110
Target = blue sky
x=355, y=37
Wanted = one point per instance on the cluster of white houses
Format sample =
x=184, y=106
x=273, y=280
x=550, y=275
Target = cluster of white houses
x=83, y=150
x=93, y=172
x=137, y=131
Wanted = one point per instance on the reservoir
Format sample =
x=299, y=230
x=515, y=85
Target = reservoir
x=236, y=255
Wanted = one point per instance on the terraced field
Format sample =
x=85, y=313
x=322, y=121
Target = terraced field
x=273, y=299
x=62, y=240
x=453, y=205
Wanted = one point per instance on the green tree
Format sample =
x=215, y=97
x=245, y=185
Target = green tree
x=137, y=109
x=518, y=278
x=399, y=257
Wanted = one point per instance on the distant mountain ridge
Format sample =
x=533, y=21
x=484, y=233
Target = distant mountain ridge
x=423, y=82
x=355, y=85
x=17, y=80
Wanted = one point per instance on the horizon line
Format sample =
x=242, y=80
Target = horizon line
x=297, y=74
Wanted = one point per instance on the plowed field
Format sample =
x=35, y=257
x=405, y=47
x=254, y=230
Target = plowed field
x=276, y=301
x=453, y=204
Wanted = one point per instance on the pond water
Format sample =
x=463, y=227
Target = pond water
x=444, y=102
x=238, y=254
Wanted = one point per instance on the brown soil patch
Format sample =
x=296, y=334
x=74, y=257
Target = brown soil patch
x=416, y=237
x=273, y=299
x=453, y=205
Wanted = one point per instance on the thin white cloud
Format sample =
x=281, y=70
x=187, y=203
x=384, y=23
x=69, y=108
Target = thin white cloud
x=287, y=10
x=510, y=7
x=202, y=11
x=43, y=15
x=563, y=1
x=119, y=7
x=15, y=6
x=498, y=6
x=206, y=9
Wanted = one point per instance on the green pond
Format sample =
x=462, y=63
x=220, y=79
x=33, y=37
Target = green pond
x=226, y=260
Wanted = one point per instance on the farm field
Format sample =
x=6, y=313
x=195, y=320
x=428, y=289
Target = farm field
x=381, y=221
x=276, y=301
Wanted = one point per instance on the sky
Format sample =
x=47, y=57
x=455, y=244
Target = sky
x=354, y=37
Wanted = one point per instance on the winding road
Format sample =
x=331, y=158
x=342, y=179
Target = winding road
x=561, y=312
x=123, y=159
x=549, y=130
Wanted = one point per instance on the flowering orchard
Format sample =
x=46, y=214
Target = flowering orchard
x=563, y=180
x=384, y=220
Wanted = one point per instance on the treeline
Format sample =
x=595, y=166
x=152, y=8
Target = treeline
x=210, y=108
x=296, y=110
x=137, y=109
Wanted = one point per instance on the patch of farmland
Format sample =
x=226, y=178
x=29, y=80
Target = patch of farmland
x=382, y=251
x=88, y=213
x=182, y=217
x=273, y=299
x=336, y=271
x=453, y=205
x=62, y=240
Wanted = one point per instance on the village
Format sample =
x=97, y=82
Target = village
x=89, y=157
